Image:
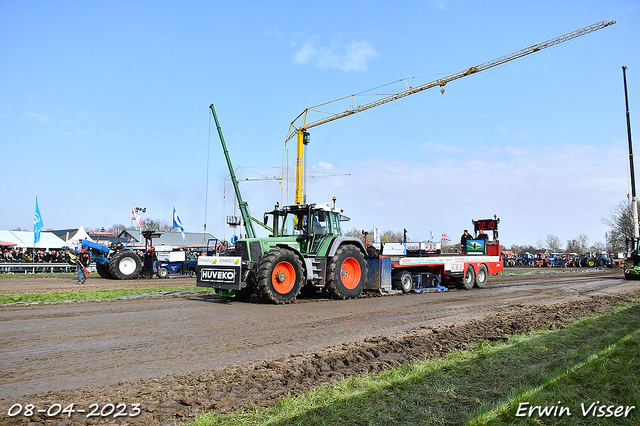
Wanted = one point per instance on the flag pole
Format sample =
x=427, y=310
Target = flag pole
x=35, y=223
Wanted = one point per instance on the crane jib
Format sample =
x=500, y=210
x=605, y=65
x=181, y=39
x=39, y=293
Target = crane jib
x=443, y=81
x=304, y=126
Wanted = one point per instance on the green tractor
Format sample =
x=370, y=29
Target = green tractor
x=306, y=251
x=632, y=262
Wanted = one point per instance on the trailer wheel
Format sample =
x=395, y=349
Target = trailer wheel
x=468, y=281
x=280, y=276
x=481, y=278
x=346, y=273
x=163, y=272
x=125, y=265
x=405, y=283
x=103, y=271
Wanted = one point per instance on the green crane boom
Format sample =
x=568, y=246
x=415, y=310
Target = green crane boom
x=244, y=207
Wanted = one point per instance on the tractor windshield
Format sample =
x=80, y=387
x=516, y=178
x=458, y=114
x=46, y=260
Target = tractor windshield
x=293, y=224
x=320, y=223
x=323, y=222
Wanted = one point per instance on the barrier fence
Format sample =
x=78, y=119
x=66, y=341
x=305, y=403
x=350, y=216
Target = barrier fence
x=32, y=268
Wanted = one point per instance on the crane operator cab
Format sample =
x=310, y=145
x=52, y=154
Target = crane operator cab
x=485, y=240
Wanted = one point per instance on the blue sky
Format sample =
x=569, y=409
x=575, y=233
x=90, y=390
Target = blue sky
x=104, y=105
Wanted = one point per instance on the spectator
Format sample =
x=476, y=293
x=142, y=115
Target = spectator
x=463, y=241
x=83, y=261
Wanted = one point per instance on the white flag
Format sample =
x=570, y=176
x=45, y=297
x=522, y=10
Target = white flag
x=136, y=216
x=177, y=223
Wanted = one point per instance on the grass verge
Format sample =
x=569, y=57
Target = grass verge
x=593, y=360
x=39, y=275
x=58, y=296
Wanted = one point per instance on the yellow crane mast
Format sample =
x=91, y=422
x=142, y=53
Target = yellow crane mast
x=300, y=130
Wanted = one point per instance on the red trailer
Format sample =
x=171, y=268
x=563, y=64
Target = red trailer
x=421, y=266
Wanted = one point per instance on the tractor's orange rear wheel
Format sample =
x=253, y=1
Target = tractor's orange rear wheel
x=350, y=273
x=346, y=273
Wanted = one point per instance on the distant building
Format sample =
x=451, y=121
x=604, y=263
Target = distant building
x=169, y=239
x=72, y=237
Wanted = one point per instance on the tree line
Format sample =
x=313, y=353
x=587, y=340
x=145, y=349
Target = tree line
x=147, y=224
x=619, y=220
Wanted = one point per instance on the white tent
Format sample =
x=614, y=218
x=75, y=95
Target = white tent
x=80, y=234
x=10, y=238
x=24, y=239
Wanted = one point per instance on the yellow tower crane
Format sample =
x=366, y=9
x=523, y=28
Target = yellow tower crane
x=300, y=130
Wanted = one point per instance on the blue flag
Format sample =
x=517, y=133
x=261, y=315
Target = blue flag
x=37, y=224
x=177, y=223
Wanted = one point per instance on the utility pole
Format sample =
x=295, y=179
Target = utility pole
x=634, y=197
x=632, y=263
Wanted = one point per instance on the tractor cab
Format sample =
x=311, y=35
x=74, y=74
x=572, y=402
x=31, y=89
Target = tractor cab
x=310, y=224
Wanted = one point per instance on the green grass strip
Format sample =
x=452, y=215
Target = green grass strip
x=21, y=275
x=59, y=296
x=590, y=360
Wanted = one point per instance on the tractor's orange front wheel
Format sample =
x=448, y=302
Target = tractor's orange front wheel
x=283, y=277
x=280, y=276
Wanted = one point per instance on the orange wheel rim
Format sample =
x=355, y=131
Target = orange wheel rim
x=350, y=273
x=283, y=277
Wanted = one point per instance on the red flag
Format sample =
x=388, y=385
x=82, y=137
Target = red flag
x=136, y=217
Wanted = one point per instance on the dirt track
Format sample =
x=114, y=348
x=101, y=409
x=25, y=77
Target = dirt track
x=177, y=356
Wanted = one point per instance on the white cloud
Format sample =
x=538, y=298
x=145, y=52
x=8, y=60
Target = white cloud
x=326, y=166
x=305, y=54
x=273, y=33
x=350, y=56
x=563, y=190
x=439, y=4
x=442, y=147
x=38, y=116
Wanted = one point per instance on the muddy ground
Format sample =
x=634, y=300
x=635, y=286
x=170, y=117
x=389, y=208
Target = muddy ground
x=30, y=283
x=179, y=356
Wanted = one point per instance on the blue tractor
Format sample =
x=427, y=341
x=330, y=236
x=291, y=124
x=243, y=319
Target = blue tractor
x=118, y=262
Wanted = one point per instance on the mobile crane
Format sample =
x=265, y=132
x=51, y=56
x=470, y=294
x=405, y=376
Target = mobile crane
x=300, y=131
x=307, y=248
x=632, y=262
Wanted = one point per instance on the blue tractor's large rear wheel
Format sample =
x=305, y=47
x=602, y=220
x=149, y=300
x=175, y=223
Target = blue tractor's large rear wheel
x=125, y=265
x=103, y=271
